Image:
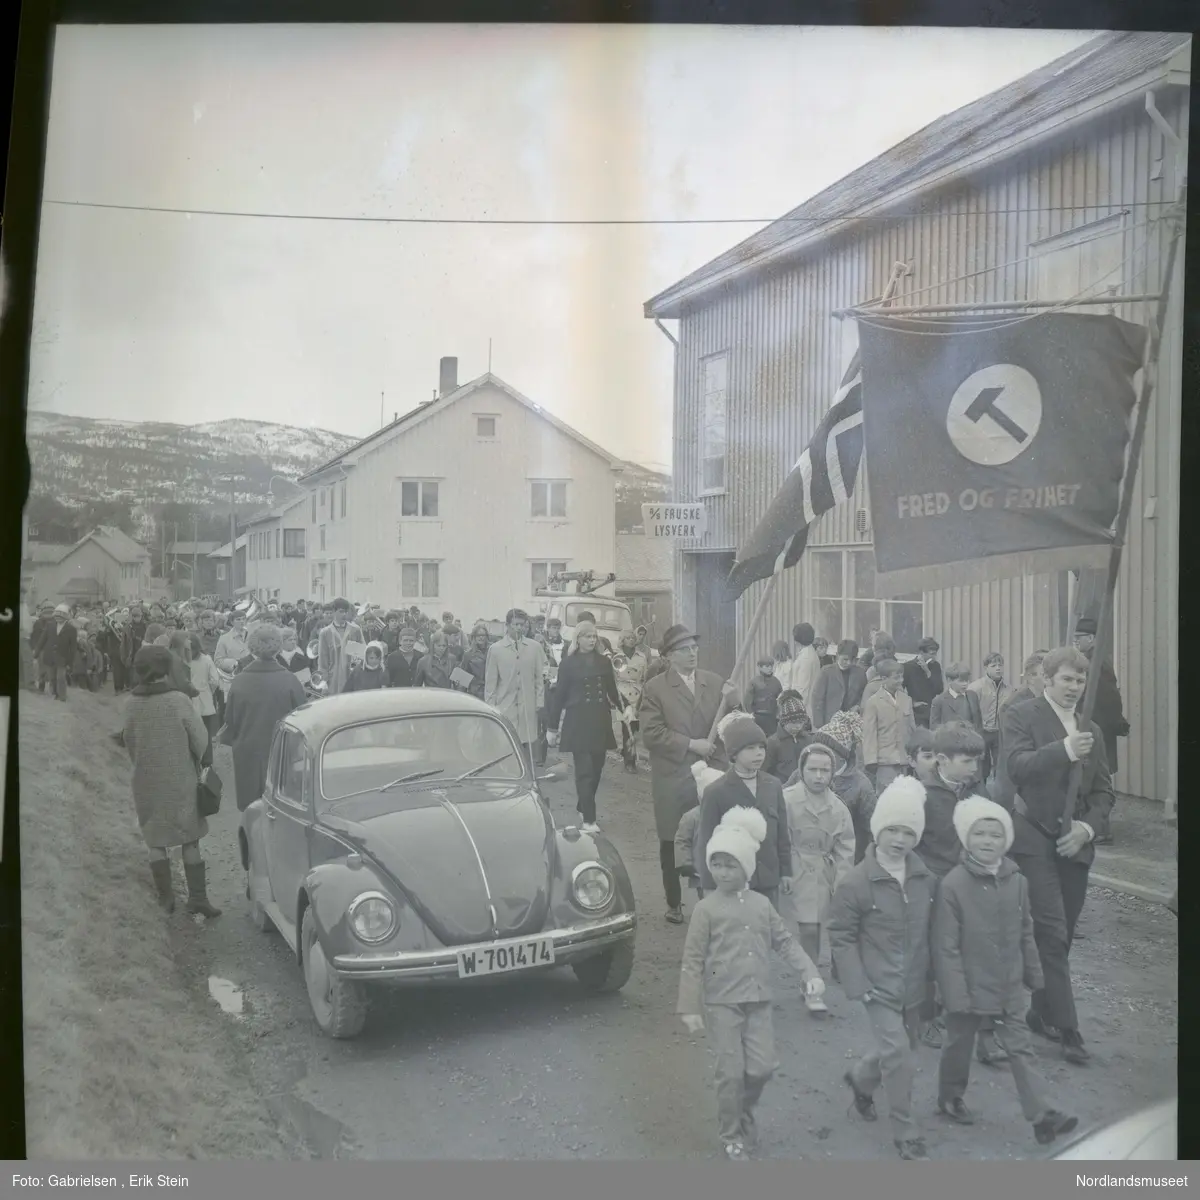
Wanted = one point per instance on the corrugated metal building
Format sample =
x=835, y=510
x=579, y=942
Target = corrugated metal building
x=1054, y=186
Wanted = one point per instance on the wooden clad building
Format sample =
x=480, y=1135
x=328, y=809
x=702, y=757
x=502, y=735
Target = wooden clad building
x=1053, y=187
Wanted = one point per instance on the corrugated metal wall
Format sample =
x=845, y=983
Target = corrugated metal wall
x=786, y=357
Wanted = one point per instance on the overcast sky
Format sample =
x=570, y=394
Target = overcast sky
x=189, y=317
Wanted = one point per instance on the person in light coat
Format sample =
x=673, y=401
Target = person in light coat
x=166, y=742
x=333, y=663
x=515, y=680
x=207, y=683
x=823, y=843
x=801, y=674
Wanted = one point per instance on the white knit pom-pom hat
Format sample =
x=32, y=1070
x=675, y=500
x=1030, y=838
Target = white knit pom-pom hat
x=740, y=833
x=901, y=803
x=969, y=812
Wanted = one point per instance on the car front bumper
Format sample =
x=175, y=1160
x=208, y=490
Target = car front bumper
x=570, y=945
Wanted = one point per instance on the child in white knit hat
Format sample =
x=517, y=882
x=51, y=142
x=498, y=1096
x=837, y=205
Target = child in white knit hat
x=983, y=951
x=726, y=975
x=878, y=927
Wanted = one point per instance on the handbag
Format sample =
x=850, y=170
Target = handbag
x=208, y=792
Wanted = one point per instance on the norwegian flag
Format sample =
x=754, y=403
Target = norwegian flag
x=823, y=477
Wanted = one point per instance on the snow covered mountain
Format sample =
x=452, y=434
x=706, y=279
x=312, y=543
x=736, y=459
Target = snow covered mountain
x=79, y=459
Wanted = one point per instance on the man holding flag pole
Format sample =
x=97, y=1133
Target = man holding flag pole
x=1021, y=424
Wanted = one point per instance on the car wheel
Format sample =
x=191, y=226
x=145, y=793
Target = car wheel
x=608, y=971
x=339, y=1005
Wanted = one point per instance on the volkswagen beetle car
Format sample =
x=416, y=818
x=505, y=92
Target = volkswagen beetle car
x=401, y=837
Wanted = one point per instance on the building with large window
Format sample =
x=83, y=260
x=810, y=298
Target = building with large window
x=1055, y=186
x=276, y=552
x=469, y=502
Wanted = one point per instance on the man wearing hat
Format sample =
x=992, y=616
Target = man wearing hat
x=1109, y=712
x=55, y=649
x=679, y=708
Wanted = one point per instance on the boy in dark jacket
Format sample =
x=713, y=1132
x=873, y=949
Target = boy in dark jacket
x=785, y=744
x=957, y=703
x=878, y=927
x=747, y=785
x=983, y=951
x=762, y=696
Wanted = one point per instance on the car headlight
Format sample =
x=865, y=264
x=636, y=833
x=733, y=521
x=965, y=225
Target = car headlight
x=372, y=917
x=593, y=886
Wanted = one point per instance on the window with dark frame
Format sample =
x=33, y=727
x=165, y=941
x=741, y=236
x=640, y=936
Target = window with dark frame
x=293, y=543
x=845, y=605
x=542, y=572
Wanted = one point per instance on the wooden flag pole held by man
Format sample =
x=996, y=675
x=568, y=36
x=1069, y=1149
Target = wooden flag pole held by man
x=1146, y=393
x=898, y=272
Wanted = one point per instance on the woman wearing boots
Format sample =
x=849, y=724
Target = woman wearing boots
x=166, y=741
x=585, y=694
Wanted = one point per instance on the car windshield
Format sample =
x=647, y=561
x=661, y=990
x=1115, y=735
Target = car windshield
x=607, y=617
x=363, y=758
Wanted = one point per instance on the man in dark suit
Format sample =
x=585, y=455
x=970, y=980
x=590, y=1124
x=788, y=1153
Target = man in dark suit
x=1041, y=740
x=55, y=649
x=1109, y=711
x=677, y=713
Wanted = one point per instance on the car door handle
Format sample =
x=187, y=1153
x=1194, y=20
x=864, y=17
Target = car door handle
x=270, y=814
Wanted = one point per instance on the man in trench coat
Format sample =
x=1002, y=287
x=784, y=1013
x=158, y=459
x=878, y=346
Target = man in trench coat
x=515, y=681
x=677, y=713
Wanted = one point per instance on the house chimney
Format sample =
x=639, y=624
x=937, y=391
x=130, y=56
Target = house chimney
x=448, y=376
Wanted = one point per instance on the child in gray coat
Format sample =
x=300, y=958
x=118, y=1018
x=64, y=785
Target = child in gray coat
x=725, y=977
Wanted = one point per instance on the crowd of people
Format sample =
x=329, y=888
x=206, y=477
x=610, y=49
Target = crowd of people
x=910, y=819
x=907, y=819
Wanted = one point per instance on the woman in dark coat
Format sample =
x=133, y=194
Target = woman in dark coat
x=260, y=696
x=167, y=741
x=584, y=696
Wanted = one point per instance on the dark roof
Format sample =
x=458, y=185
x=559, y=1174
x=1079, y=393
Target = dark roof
x=1089, y=71
x=201, y=548
x=80, y=587
x=319, y=718
x=114, y=542
x=41, y=553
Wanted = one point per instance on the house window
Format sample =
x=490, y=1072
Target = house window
x=342, y=497
x=314, y=508
x=342, y=575
x=293, y=543
x=220, y=572
x=418, y=498
x=278, y=537
x=845, y=604
x=419, y=580
x=321, y=537
x=715, y=393
x=542, y=571
x=485, y=427
x=548, y=498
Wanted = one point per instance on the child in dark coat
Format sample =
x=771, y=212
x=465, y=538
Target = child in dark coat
x=878, y=927
x=957, y=702
x=983, y=951
x=372, y=673
x=792, y=735
x=725, y=975
x=745, y=784
x=762, y=696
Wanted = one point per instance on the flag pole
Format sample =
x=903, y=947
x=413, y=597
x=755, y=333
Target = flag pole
x=899, y=270
x=1146, y=393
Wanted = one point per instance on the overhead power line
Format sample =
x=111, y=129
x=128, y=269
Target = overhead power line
x=822, y=218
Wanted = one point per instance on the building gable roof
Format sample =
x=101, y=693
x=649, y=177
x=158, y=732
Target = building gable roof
x=274, y=514
x=223, y=551
x=119, y=546
x=1074, y=79
x=432, y=407
x=181, y=549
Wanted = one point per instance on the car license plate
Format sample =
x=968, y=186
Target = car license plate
x=506, y=956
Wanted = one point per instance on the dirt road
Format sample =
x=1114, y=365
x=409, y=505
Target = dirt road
x=533, y=1070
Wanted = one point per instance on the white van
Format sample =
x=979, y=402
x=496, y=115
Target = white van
x=613, y=617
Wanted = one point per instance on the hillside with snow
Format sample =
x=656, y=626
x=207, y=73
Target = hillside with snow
x=78, y=459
